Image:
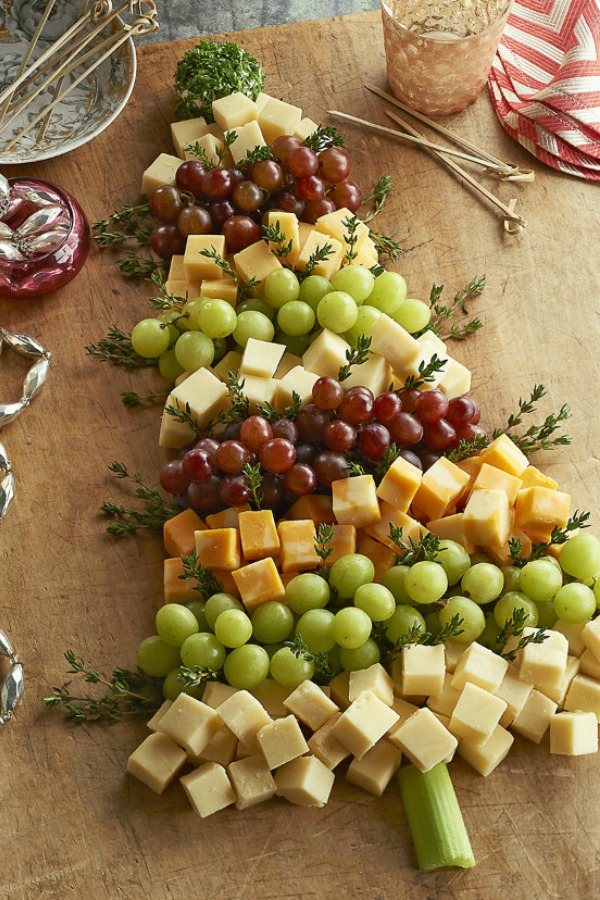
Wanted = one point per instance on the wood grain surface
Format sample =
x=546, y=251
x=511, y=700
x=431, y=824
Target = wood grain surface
x=72, y=823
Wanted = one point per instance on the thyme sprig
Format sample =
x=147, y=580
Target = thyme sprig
x=351, y=237
x=323, y=666
x=132, y=265
x=320, y=254
x=426, y=547
x=443, y=312
x=277, y=238
x=127, y=223
x=378, y=197
x=256, y=154
x=253, y=476
x=324, y=547
x=390, y=456
x=323, y=137
x=354, y=469
x=415, y=635
x=427, y=373
x=289, y=412
x=467, y=448
x=126, y=693
x=514, y=627
x=387, y=248
x=540, y=548
x=536, y=437
x=126, y=520
x=195, y=676
x=244, y=288
x=132, y=398
x=205, y=582
x=116, y=348
x=355, y=356
x=184, y=417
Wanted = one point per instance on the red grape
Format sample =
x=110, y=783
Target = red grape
x=232, y=456
x=267, y=174
x=290, y=203
x=334, y=164
x=217, y=183
x=470, y=431
x=239, y=232
x=405, y=430
x=302, y=162
x=204, y=495
x=431, y=406
x=285, y=428
x=387, y=407
x=314, y=209
x=255, y=430
x=439, y=435
x=234, y=490
x=272, y=489
x=340, y=436
x=311, y=188
x=300, y=479
x=409, y=399
x=197, y=465
x=277, y=455
x=221, y=210
x=248, y=197
x=166, y=203
x=461, y=411
x=166, y=241
x=172, y=478
x=374, y=440
x=283, y=145
x=330, y=467
x=194, y=220
x=311, y=422
x=356, y=407
x=327, y=393
x=347, y=194
x=210, y=446
x=189, y=177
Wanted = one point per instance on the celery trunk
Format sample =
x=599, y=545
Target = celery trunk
x=434, y=818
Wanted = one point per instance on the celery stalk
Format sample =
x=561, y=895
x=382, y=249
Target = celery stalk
x=434, y=818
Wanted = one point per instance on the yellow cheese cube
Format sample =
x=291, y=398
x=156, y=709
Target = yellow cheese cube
x=316, y=241
x=258, y=534
x=259, y=390
x=281, y=741
x=445, y=700
x=233, y=110
x=204, y=394
x=476, y=714
x=380, y=530
x=538, y=510
x=317, y=507
x=297, y=538
x=584, y=694
x=326, y=354
x=251, y=780
x=494, y=479
x=161, y=171
x=221, y=748
x=343, y=542
x=502, y=555
x=247, y=138
x=355, y=501
x=324, y=745
x=376, y=769
x=257, y=582
x=573, y=667
x=339, y=687
x=230, y=363
x=223, y=288
x=400, y=484
x=455, y=379
x=423, y=669
x=335, y=225
x=532, y=477
x=487, y=518
x=305, y=781
x=573, y=631
x=176, y=270
x=305, y=128
x=272, y=695
x=393, y=342
x=382, y=557
x=485, y=756
x=545, y=663
x=219, y=548
x=365, y=721
x=310, y=704
x=184, y=290
x=533, y=720
x=441, y=487
x=208, y=789
x=198, y=267
x=503, y=453
x=276, y=117
x=375, y=374
x=375, y=679
x=255, y=262
x=226, y=518
x=176, y=589
x=244, y=715
x=427, y=350
x=286, y=223
x=190, y=723
x=156, y=762
x=424, y=740
x=261, y=358
x=297, y=381
x=287, y=362
x=574, y=733
x=178, y=533
x=213, y=148
x=216, y=692
x=451, y=528
x=187, y=132
x=481, y=667
x=590, y=635
x=514, y=692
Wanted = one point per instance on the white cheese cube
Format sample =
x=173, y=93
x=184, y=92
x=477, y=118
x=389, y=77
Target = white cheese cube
x=480, y=666
x=190, y=723
x=374, y=678
x=376, y=769
x=310, y=704
x=424, y=740
x=533, y=720
x=393, y=342
x=205, y=394
x=591, y=636
x=197, y=266
x=423, y=669
x=153, y=722
x=559, y=692
x=222, y=748
x=444, y=701
x=476, y=714
x=486, y=756
x=244, y=715
x=208, y=789
x=216, y=692
x=156, y=762
x=161, y=171
x=375, y=374
x=247, y=138
x=514, y=692
x=230, y=363
x=339, y=687
x=326, y=354
x=324, y=745
x=259, y=390
x=251, y=780
x=281, y=741
x=455, y=379
x=187, y=132
x=297, y=381
x=234, y=110
x=305, y=781
x=272, y=696
x=365, y=721
x=427, y=350
x=573, y=631
x=404, y=709
x=574, y=733
x=584, y=695
x=305, y=128
x=276, y=117
x=545, y=663
x=261, y=358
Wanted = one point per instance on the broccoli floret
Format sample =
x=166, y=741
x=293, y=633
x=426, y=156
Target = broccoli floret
x=211, y=70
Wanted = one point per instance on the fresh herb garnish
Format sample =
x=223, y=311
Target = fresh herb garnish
x=323, y=137
x=536, y=437
x=205, y=583
x=379, y=197
x=412, y=551
x=355, y=356
x=253, y=476
x=116, y=348
x=323, y=666
x=324, y=547
x=126, y=520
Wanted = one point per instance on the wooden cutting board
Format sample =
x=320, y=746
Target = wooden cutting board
x=72, y=822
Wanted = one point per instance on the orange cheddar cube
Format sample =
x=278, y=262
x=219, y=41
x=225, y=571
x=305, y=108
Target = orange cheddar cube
x=297, y=539
x=178, y=533
x=471, y=466
x=380, y=531
x=451, y=528
x=539, y=509
x=494, y=479
x=487, y=518
x=400, y=484
x=532, y=477
x=176, y=589
x=343, y=543
x=226, y=579
x=503, y=453
x=219, y=548
x=355, y=501
x=258, y=534
x=317, y=507
x=257, y=582
x=226, y=518
x=442, y=486
x=381, y=556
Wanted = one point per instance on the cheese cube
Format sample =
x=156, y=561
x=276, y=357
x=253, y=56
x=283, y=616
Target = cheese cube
x=480, y=666
x=255, y=262
x=533, y=720
x=454, y=651
x=176, y=589
x=485, y=757
x=403, y=708
x=574, y=733
x=223, y=288
x=573, y=631
x=583, y=695
x=216, y=692
x=187, y=132
x=487, y=518
x=286, y=223
x=476, y=714
x=244, y=715
x=532, y=477
x=424, y=740
x=297, y=381
x=190, y=723
x=365, y=721
x=325, y=746
x=588, y=664
x=287, y=362
x=335, y=225
x=389, y=515
x=423, y=669
x=538, y=510
x=400, y=484
x=393, y=342
x=311, y=705
x=205, y=394
x=441, y=487
x=259, y=391
x=382, y=557
x=178, y=533
x=305, y=128
x=297, y=540
x=257, y=582
x=156, y=762
x=326, y=354
x=312, y=506
x=451, y=528
x=590, y=635
x=276, y=117
x=272, y=695
x=258, y=534
x=196, y=266
x=503, y=453
x=221, y=748
x=502, y=555
x=343, y=542
x=375, y=679
x=251, y=780
x=208, y=789
x=339, y=687
x=427, y=350
x=492, y=478
x=230, y=363
x=247, y=138
x=176, y=270
x=455, y=379
x=182, y=289
x=305, y=781
x=213, y=148
x=514, y=692
x=281, y=741
x=314, y=243
x=545, y=663
x=233, y=110
x=261, y=358
x=445, y=700
x=375, y=374
x=161, y=171
x=376, y=769
x=219, y=548
x=226, y=518
x=355, y=501
x=152, y=723
x=559, y=692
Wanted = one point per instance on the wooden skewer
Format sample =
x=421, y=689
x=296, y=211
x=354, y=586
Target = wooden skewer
x=27, y=56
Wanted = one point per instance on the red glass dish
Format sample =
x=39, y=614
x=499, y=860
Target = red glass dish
x=48, y=271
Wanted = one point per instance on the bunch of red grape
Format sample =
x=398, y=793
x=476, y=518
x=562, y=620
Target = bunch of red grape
x=305, y=455
x=232, y=202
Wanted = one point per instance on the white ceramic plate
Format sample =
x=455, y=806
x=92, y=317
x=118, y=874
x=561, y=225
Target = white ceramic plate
x=86, y=111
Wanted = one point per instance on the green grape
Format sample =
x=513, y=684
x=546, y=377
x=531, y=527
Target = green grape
x=156, y=658
x=296, y=318
x=389, y=292
x=480, y=558
x=246, y=667
x=351, y=627
x=297, y=344
x=507, y=605
x=272, y=621
x=393, y=579
x=454, y=560
x=150, y=338
x=255, y=304
x=313, y=288
x=575, y=602
x=540, y=580
x=413, y=315
x=337, y=311
x=221, y=348
x=307, y=591
x=353, y=659
x=315, y=627
x=348, y=573
x=547, y=617
x=168, y=366
x=253, y=324
x=483, y=582
x=473, y=619
x=364, y=321
x=217, y=318
x=233, y=627
x=169, y=317
x=376, y=600
x=356, y=280
x=194, y=350
x=218, y=603
x=174, y=623
x=197, y=607
x=426, y=582
x=596, y=590
x=489, y=635
x=173, y=686
x=403, y=621
x=188, y=317
x=290, y=670
x=580, y=556
x=432, y=621
x=281, y=286
x=511, y=575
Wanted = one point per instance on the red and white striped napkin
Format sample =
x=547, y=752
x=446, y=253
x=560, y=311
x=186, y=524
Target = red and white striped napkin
x=545, y=82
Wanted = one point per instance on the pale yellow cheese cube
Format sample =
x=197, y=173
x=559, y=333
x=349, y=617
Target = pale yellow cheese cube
x=584, y=695
x=492, y=478
x=221, y=748
x=532, y=477
x=545, y=663
x=514, y=692
x=451, y=528
x=234, y=110
x=573, y=631
x=481, y=667
x=305, y=781
x=590, y=635
x=286, y=223
x=375, y=679
x=153, y=722
x=559, y=692
x=403, y=708
x=259, y=390
x=325, y=746
x=187, y=132
x=428, y=349
x=326, y=354
x=287, y=362
x=375, y=374
x=476, y=714
x=487, y=756
x=314, y=243
x=244, y=715
x=190, y=723
x=445, y=700
x=389, y=515
x=393, y=342
x=335, y=225
x=208, y=789
x=589, y=664
x=276, y=117
x=272, y=696
x=261, y=358
x=488, y=518
x=223, y=288
x=365, y=721
x=424, y=740
x=454, y=651
x=197, y=266
x=574, y=733
x=503, y=453
x=252, y=781
x=255, y=262
x=310, y=704
x=340, y=689
x=213, y=148
x=247, y=137
x=176, y=270
x=156, y=762
x=182, y=289
x=305, y=128
x=455, y=379
x=281, y=741
x=297, y=380
x=230, y=363
x=216, y=692
x=534, y=718
x=161, y=171
x=538, y=510
x=423, y=669
x=354, y=501
x=376, y=769
x=400, y=484
x=442, y=485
